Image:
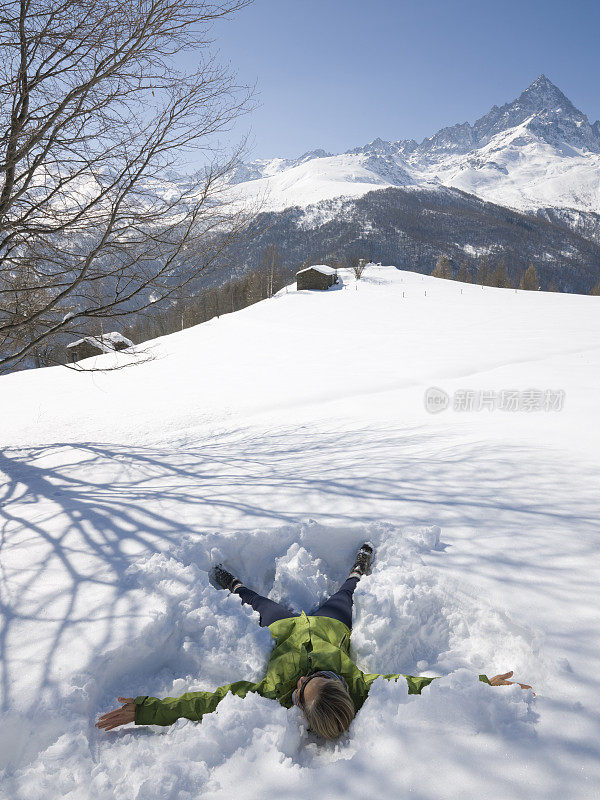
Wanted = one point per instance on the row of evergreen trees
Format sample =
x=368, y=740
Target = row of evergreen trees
x=497, y=276
x=485, y=275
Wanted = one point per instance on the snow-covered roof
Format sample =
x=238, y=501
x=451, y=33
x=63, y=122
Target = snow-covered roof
x=323, y=268
x=107, y=343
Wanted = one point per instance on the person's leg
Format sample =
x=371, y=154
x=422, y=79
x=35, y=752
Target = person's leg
x=339, y=605
x=269, y=610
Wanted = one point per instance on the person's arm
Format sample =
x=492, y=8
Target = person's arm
x=145, y=710
x=501, y=680
x=416, y=683
x=191, y=705
x=120, y=716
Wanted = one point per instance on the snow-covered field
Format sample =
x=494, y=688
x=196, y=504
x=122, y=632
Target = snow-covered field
x=277, y=439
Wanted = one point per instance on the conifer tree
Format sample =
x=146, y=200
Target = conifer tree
x=530, y=280
x=464, y=273
x=500, y=277
x=596, y=289
x=483, y=271
x=442, y=268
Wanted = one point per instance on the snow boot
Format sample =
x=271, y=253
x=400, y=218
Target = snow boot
x=364, y=560
x=224, y=579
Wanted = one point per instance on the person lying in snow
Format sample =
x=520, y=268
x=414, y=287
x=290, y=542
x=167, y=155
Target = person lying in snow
x=310, y=665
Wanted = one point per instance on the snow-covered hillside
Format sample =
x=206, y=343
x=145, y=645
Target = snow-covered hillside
x=537, y=151
x=314, y=180
x=277, y=439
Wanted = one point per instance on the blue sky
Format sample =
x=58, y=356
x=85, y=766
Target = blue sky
x=338, y=73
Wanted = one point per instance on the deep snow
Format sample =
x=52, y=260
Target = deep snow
x=277, y=439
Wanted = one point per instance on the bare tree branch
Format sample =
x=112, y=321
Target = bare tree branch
x=96, y=116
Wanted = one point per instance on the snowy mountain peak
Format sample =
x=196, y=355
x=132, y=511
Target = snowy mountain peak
x=535, y=151
x=545, y=95
x=460, y=138
x=378, y=147
x=549, y=114
x=310, y=154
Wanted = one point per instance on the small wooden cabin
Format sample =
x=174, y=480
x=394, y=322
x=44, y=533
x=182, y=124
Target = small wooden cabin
x=319, y=276
x=97, y=345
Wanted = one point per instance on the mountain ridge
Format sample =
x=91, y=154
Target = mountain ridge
x=412, y=226
x=535, y=151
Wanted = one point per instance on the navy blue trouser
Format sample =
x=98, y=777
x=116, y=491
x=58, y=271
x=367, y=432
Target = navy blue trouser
x=339, y=605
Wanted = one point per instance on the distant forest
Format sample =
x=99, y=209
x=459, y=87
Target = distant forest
x=412, y=228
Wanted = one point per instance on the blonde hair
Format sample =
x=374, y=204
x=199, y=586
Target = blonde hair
x=331, y=711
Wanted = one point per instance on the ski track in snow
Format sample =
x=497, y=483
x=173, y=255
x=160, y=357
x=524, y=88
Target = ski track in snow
x=485, y=526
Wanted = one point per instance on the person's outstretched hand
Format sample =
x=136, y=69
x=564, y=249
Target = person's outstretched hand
x=120, y=716
x=501, y=680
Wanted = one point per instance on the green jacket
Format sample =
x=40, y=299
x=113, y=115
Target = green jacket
x=302, y=644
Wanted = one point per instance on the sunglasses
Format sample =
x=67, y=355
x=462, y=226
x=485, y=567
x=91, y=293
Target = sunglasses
x=298, y=696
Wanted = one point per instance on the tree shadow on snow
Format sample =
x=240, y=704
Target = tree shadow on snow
x=113, y=503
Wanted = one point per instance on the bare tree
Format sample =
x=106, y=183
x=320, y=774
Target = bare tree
x=271, y=262
x=357, y=265
x=26, y=298
x=96, y=113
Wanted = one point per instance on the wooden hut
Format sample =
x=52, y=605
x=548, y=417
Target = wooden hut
x=97, y=345
x=320, y=276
